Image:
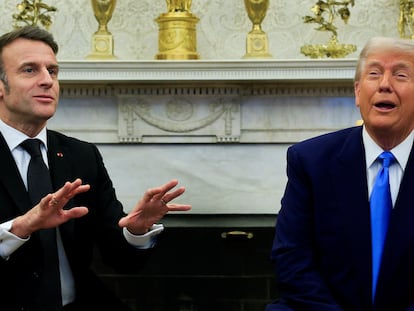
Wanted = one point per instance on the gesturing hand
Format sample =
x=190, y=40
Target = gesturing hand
x=49, y=213
x=154, y=204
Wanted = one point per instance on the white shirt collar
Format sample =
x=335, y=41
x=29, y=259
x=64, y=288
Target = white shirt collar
x=401, y=152
x=14, y=137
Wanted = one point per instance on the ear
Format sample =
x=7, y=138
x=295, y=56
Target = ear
x=356, y=92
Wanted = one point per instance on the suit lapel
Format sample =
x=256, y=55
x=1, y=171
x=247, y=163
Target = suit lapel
x=352, y=190
x=60, y=170
x=59, y=165
x=10, y=178
x=400, y=238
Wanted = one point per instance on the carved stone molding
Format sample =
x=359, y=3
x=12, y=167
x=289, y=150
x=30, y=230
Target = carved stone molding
x=310, y=88
x=178, y=119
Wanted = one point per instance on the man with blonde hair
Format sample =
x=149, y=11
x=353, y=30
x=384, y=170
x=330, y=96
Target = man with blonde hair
x=344, y=238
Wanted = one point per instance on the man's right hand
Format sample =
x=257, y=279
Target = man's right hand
x=49, y=213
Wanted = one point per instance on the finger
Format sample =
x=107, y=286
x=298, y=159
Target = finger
x=169, y=185
x=70, y=189
x=172, y=195
x=158, y=192
x=76, y=212
x=179, y=207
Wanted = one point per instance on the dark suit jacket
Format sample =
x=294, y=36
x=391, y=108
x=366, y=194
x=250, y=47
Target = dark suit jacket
x=19, y=276
x=322, y=245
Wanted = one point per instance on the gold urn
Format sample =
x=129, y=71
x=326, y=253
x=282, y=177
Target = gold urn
x=102, y=39
x=177, y=38
x=257, y=45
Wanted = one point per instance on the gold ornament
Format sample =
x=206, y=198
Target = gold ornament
x=257, y=45
x=328, y=9
x=33, y=12
x=102, y=40
x=406, y=20
x=177, y=32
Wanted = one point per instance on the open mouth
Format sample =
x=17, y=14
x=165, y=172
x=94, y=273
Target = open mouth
x=385, y=105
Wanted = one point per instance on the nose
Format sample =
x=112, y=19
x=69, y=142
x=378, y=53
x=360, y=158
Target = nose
x=385, y=83
x=45, y=78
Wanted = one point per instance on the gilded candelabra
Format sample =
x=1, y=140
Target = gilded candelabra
x=177, y=32
x=33, y=12
x=324, y=15
x=406, y=20
x=257, y=45
x=102, y=39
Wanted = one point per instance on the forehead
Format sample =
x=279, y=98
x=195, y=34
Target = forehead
x=27, y=51
x=390, y=58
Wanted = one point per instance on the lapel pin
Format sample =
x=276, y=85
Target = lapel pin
x=59, y=154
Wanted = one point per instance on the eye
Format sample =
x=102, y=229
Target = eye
x=53, y=71
x=373, y=74
x=28, y=69
x=402, y=75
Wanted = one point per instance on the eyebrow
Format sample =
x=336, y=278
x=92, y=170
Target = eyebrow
x=53, y=65
x=400, y=65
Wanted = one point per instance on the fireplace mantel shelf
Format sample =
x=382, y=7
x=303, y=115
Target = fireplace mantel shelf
x=206, y=71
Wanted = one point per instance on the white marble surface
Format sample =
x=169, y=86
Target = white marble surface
x=231, y=179
x=241, y=176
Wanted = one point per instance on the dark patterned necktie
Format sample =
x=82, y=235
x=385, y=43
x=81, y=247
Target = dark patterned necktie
x=39, y=185
x=381, y=206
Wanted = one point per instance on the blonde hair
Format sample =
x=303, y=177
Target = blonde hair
x=380, y=44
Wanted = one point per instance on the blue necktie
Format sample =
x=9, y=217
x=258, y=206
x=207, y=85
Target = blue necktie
x=381, y=206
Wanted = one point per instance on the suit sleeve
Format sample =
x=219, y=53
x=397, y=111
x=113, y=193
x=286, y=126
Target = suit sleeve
x=300, y=283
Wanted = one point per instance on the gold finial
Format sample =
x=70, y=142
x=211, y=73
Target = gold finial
x=179, y=5
x=33, y=12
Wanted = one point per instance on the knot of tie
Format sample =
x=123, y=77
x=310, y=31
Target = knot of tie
x=32, y=146
x=387, y=158
x=38, y=176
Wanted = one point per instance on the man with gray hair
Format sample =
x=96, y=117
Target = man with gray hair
x=57, y=201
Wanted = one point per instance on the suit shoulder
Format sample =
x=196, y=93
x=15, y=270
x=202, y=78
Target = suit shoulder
x=325, y=146
x=68, y=140
x=332, y=138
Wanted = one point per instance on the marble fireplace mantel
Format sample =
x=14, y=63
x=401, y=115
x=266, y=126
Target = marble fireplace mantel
x=206, y=71
x=221, y=127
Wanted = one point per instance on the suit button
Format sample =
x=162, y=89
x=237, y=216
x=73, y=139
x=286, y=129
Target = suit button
x=35, y=275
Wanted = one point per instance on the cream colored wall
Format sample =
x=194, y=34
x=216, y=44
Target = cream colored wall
x=221, y=32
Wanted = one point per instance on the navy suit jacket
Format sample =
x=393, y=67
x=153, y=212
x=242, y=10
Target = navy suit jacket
x=69, y=159
x=322, y=245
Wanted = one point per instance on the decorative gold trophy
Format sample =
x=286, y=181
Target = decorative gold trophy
x=33, y=12
x=257, y=45
x=177, y=32
x=406, y=20
x=333, y=49
x=102, y=40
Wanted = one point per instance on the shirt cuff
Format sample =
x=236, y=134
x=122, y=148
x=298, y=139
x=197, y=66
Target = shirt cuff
x=8, y=241
x=146, y=240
